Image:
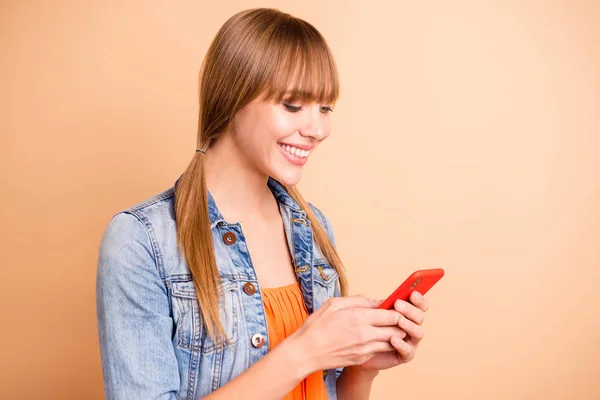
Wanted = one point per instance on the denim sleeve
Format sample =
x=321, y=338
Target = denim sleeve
x=134, y=322
x=327, y=225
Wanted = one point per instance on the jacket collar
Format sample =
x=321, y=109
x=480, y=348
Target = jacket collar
x=278, y=190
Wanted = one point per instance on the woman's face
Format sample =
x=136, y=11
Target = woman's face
x=278, y=138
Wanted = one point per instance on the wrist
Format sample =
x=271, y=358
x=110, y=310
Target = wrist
x=355, y=382
x=360, y=373
x=298, y=352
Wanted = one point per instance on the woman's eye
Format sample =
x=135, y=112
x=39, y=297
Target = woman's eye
x=292, y=108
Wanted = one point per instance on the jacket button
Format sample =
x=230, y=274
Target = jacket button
x=249, y=288
x=258, y=340
x=229, y=238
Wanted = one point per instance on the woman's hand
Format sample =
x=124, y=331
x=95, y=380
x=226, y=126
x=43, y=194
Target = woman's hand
x=347, y=331
x=410, y=321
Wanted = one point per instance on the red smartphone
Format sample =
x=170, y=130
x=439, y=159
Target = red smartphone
x=421, y=281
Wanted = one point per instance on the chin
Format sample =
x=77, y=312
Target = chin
x=288, y=178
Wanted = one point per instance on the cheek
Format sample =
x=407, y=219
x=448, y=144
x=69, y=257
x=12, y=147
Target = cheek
x=282, y=124
x=327, y=127
x=284, y=130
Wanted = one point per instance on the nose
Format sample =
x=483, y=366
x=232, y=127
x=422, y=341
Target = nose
x=315, y=124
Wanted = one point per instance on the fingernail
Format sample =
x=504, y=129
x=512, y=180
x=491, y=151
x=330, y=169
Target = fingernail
x=400, y=305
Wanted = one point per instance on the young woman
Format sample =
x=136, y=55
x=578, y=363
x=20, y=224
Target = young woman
x=228, y=285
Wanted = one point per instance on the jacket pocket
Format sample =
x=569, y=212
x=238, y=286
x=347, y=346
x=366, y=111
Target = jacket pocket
x=325, y=278
x=190, y=331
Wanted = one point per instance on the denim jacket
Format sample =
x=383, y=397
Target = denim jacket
x=152, y=341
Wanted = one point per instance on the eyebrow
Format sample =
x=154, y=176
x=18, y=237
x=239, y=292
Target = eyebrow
x=301, y=95
x=298, y=94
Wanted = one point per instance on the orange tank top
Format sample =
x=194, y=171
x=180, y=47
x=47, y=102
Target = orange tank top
x=286, y=311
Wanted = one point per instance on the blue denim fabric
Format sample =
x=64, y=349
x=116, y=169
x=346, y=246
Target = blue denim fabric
x=152, y=341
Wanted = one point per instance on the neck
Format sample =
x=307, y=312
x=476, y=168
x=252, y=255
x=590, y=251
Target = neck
x=239, y=190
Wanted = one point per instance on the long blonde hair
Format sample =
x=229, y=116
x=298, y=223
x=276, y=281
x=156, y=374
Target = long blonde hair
x=256, y=52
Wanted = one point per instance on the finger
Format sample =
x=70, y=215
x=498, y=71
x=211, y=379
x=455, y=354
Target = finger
x=415, y=331
x=410, y=311
x=405, y=350
x=341, y=303
x=380, y=317
x=377, y=347
x=384, y=334
x=419, y=301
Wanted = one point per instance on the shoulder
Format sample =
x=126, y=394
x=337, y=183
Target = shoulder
x=133, y=231
x=319, y=214
x=144, y=217
x=161, y=203
x=323, y=220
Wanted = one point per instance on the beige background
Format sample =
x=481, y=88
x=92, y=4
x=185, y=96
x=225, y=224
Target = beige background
x=467, y=137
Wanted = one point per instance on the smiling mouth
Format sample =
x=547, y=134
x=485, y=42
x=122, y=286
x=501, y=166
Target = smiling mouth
x=295, y=152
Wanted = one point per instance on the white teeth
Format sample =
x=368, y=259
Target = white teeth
x=295, y=151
